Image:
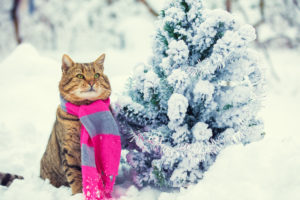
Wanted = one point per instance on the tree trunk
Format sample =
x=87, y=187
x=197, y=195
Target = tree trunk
x=228, y=5
x=262, y=9
x=14, y=16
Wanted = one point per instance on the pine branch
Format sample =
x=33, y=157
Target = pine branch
x=150, y=9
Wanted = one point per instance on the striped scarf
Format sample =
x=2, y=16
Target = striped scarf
x=100, y=147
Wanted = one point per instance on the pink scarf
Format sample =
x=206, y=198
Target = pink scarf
x=100, y=147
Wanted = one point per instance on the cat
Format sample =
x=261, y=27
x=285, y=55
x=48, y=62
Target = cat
x=81, y=83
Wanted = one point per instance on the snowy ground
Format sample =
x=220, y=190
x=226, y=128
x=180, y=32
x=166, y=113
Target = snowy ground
x=267, y=170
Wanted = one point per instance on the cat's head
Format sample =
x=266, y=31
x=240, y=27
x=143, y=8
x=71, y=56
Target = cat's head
x=83, y=83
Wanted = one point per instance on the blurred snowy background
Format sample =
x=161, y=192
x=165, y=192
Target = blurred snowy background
x=35, y=34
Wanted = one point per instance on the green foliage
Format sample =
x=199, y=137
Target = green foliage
x=160, y=72
x=163, y=39
x=220, y=33
x=194, y=113
x=162, y=13
x=185, y=6
x=155, y=100
x=221, y=30
x=227, y=107
x=159, y=175
x=252, y=124
x=167, y=90
x=170, y=28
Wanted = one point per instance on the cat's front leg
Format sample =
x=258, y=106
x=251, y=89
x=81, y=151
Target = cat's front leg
x=71, y=155
x=68, y=133
x=72, y=168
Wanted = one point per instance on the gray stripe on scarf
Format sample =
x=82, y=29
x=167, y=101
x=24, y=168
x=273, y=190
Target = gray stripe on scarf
x=87, y=156
x=100, y=123
x=63, y=104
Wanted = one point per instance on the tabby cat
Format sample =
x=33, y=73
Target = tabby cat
x=81, y=83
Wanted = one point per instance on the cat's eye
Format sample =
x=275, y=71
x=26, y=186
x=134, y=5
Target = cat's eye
x=80, y=76
x=97, y=75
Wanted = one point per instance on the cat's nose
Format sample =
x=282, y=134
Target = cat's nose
x=91, y=83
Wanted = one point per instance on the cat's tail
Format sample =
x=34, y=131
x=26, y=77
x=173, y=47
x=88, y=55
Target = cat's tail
x=6, y=179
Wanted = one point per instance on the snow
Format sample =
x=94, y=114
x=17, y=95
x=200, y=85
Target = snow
x=201, y=131
x=177, y=107
x=203, y=89
x=151, y=82
x=263, y=170
x=179, y=79
x=267, y=170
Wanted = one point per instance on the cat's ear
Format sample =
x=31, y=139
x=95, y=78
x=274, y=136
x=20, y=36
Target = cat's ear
x=67, y=62
x=100, y=61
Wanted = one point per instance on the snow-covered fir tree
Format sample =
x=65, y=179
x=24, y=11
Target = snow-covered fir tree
x=200, y=93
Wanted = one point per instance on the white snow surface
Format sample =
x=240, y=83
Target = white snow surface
x=267, y=170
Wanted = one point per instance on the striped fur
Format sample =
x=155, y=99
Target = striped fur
x=6, y=179
x=61, y=162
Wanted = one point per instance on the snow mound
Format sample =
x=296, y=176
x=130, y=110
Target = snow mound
x=267, y=170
